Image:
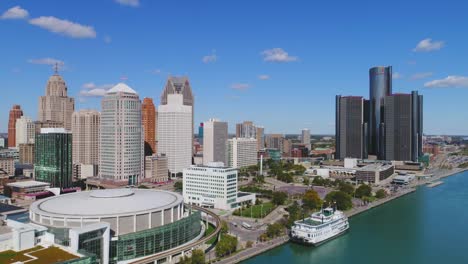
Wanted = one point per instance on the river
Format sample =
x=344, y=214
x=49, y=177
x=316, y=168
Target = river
x=428, y=226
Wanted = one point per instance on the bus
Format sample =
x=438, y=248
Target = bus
x=246, y=226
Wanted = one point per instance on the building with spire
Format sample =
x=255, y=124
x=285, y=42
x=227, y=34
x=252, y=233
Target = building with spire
x=15, y=113
x=56, y=107
x=180, y=85
x=149, y=120
x=121, y=136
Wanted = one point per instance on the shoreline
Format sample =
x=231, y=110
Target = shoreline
x=352, y=212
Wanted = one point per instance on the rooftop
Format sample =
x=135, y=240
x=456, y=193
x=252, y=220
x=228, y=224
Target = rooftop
x=121, y=87
x=376, y=167
x=28, y=184
x=36, y=255
x=106, y=202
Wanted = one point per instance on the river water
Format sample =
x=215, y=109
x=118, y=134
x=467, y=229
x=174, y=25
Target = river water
x=429, y=226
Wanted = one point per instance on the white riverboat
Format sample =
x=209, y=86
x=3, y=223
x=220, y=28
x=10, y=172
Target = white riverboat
x=320, y=227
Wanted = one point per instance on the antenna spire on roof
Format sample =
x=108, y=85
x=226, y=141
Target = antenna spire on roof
x=56, y=67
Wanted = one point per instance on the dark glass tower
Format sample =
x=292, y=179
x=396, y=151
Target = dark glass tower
x=351, y=127
x=53, y=157
x=380, y=85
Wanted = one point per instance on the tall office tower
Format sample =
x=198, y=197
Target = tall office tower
x=175, y=133
x=260, y=135
x=380, y=84
x=246, y=129
x=242, y=152
x=25, y=131
x=15, y=113
x=215, y=136
x=121, y=136
x=180, y=85
x=56, y=106
x=200, y=134
x=306, y=138
x=351, y=127
x=53, y=157
x=287, y=147
x=403, y=127
x=149, y=119
x=26, y=153
x=275, y=141
x=85, y=130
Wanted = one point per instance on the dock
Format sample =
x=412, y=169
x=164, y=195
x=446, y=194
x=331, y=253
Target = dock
x=434, y=184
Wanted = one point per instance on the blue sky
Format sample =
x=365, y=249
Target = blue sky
x=277, y=63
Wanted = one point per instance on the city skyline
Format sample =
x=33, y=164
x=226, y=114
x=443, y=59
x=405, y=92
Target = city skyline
x=302, y=49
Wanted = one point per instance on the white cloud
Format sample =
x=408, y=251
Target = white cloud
x=107, y=39
x=427, y=45
x=48, y=61
x=15, y=12
x=263, y=77
x=64, y=27
x=155, y=71
x=420, y=75
x=448, y=82
x=92, y=90
x=240, y=86
x=277, y=55
x=132, y=3
x=397, y=75
x=210, y=58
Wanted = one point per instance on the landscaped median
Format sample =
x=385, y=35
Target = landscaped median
x=255, y=211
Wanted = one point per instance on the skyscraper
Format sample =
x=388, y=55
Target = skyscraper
x=215, y=136
x=85, y=129
x=200, y=134
x=121, y=136
x=275, y=141
x=351, y=127
x=403, y=126
x=380, y=85
x=260, y=135
x=306, y=138
x=149, y=119
x=25, y=131
x=15, y=113
x=180, y=85
x=53, y=157
x=56, y=106
x=175, y=133
x=246, y=129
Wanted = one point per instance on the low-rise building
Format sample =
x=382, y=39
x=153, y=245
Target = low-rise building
x=25, y=189
x=374, y=173
x=156, y=168
x=213, y=186
x=7, y=167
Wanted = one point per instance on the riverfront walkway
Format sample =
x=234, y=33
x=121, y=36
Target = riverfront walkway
x=256, y=249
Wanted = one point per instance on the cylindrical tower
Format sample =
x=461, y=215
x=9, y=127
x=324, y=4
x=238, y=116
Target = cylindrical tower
x=380, y=85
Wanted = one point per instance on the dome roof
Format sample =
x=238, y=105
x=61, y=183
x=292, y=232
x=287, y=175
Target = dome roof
x=56, y=86
x=121, y=87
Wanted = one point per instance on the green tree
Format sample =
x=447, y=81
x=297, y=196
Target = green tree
x=347, y=188
x=343, y=200
x=224, y=227
x=226, y=245
x=295, y=213
x=178, y=186
x=306, y=181
x=249, y=244
x=198, y=257
x=279, y=198
x=364, y=190
x=318, y=181
x=381, y=193
x=311, y=200
x=274, y=230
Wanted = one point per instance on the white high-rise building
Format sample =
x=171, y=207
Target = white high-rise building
x=121, y=136
x=306, y=138
x=215, y=136
x=25, y=131
x=242, y=152
x=85, y=132
x=214, y=186
x=175, y=133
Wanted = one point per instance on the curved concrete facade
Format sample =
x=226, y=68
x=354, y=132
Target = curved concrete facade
x=126, y=210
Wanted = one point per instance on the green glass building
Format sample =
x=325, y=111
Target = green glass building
x=53, y=157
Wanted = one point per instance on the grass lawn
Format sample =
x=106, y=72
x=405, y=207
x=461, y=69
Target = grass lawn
x=44, y=255
x=256, y=211
x=208, y=232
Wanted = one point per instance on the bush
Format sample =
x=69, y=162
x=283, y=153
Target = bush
x=249, y=244
x=381, y=193
x=279, y=198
